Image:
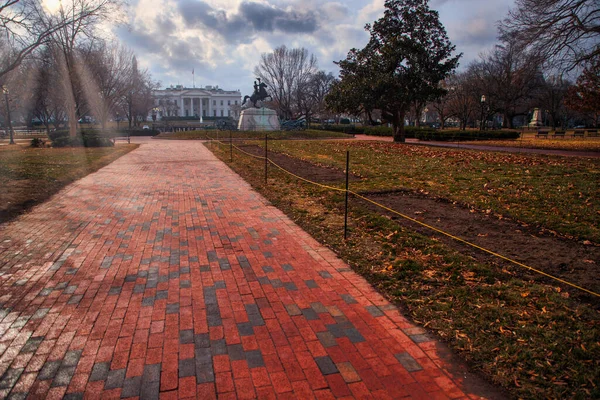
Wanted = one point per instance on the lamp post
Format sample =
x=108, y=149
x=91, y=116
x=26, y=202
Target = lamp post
x=118, y=121
x=482, y=107
x=10, y=128
x=154, y=111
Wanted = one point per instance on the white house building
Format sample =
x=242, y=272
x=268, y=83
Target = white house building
x=208, y=101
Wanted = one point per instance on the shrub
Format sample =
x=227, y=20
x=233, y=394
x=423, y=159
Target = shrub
x=37, y=142
x=67, y=141
x=350, y=129
x=53, y=135
x=85, y=138
x=95, y=139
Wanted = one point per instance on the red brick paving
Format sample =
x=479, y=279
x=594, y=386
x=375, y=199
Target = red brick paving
x=164, y=275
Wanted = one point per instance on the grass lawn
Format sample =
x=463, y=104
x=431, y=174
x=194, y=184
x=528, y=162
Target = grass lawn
x=524, y=335
x=558, y=193
x=224, y=135
x=29, y=176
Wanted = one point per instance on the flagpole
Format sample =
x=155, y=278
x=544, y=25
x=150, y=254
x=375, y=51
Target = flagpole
x=193, y=79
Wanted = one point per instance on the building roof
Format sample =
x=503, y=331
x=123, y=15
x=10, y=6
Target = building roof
x=179, y=89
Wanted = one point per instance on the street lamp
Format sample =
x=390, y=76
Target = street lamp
x=154, y=111
x=10, y=128
x=482, y=107
x=118, y=121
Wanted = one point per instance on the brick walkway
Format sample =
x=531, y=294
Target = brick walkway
x=165, y=275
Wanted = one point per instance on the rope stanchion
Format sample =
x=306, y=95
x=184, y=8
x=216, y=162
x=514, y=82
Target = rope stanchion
x=346, y=191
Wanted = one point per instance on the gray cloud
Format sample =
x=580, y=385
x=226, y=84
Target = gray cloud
x=250, y=18
x=477, y=32
x=165, y=25
x=268, y=18
x=141, y=40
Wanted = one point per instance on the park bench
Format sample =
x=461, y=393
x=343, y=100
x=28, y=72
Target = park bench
x=559, y=134
x=542, y=134
x=578, y=133
x=592, y=132
x=115, y=138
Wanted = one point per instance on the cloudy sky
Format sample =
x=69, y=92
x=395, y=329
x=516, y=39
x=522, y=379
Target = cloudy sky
x=221, y=40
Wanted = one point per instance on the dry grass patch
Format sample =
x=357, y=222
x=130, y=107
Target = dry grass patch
x=29, y=176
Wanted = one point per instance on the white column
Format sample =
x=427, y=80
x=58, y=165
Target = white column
x=209, y=107
x=200, y=107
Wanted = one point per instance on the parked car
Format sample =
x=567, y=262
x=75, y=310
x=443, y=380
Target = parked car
x=145, y=128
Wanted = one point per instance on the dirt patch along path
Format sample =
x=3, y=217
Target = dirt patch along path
x=301, y=168
x=570, y=260
x=566, y=259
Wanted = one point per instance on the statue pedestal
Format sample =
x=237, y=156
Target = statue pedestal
x=536, y=119
x=258, y=119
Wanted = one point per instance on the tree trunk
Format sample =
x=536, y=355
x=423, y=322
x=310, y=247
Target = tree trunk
x=398, y=126
x=72, y=122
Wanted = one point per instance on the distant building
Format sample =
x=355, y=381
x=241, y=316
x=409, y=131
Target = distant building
x=208, y=101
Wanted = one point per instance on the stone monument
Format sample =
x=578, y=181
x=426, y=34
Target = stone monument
x=536, y=119
x=254, y=116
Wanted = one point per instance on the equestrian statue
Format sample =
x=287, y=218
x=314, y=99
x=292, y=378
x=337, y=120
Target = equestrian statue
x=260, y=94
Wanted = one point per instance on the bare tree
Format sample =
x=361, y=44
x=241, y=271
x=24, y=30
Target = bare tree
x=564, y=32
x=509, y=77
x=42, y=92
x=287, y=72
x=138, y=99
x=26, y=25
x=442, y=105
x=462, y=102
x=319, y=86
x=106, y=73
x=310, y=96
x=584, y=97
x=552, y=95
x=168, y=106
x=72, y=42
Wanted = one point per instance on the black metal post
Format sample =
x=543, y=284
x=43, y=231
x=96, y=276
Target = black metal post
x=266, y=159
x=346, y=205
x=481, y=122
x=10, y=128
x=230, y=147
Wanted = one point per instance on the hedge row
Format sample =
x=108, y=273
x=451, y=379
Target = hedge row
x=132, y=132
x=421, y=133
x=444, y=136
x=381, y=130
x=82, y=139
x=194, y=118
x=94, y=137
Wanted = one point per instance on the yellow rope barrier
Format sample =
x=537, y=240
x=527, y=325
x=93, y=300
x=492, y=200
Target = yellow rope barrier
x=427, y=226
x=474, y=245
